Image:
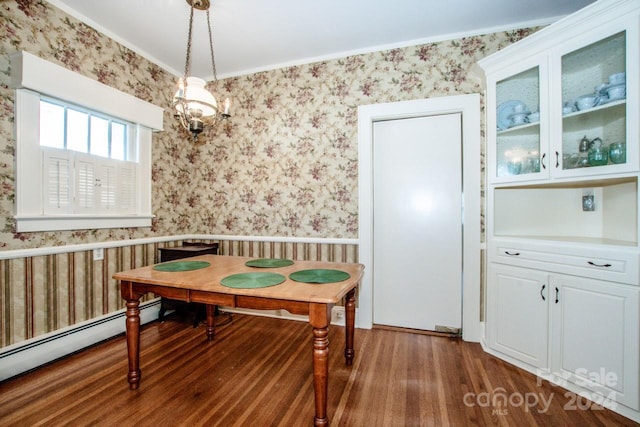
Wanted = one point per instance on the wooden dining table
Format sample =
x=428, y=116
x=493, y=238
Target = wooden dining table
x=204, y=285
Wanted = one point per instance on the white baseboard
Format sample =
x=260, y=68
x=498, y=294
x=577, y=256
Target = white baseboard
x=30, y=354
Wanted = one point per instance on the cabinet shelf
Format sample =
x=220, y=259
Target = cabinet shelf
x=588, y=182
x=576, y=239
x=595, y=109
x=554, y=212
x=520, y=128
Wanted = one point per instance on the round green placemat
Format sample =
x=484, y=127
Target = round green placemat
x=181, y=266
x=319, y=276
x=269, y=262
x=253, y=280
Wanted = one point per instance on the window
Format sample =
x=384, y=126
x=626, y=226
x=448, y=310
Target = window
x=89, y=160
x=74, y=128
x=83, y=153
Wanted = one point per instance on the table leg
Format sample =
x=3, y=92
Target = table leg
x=350, y=320
x=133, y=342
x=211, y=321
x=319, y=315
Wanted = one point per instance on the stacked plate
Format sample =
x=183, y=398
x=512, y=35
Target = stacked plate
x=614, y=90
x=511, y=113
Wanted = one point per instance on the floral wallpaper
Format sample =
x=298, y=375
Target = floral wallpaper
x=285, y=164
x=43, y=30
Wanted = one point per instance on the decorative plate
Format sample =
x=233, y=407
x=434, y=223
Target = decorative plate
x=252, y=280
x=181, y=266
x=268, y=262
x=504, y=110
x=319, y=276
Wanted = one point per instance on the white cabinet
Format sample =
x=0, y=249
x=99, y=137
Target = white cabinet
x=518, y=314
x=577, y=329
x=563, y=163
x=558, y=101
x=595, y=336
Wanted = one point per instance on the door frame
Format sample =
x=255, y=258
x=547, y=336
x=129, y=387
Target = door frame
x=469, y=107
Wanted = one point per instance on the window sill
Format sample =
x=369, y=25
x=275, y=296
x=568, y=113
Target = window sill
x=26, y=224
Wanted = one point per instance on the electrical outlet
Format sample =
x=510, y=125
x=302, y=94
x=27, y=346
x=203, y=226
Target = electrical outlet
x=588, y=203
x=338, y=314
x=98, y=254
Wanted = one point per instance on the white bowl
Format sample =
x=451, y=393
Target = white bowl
x=618, y=78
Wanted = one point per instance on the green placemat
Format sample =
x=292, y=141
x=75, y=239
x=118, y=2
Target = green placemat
x=253, y=280
x=181, y=266
x=268, y=262
x=319, y=276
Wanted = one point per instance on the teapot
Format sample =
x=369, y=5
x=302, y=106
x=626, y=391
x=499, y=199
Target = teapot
x=585, y=144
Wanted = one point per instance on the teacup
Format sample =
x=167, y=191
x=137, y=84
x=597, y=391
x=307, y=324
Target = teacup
x=601, y=88
x=519, y=108
x=587, y=101
x=534, y=117
x=617, y=78
x=518, y=119
x=617, y=91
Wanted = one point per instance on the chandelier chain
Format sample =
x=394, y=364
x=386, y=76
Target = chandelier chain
x=187, y=62
x=213, y=61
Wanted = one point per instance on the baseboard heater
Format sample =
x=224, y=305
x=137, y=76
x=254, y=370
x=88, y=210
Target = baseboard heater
x=28, y=355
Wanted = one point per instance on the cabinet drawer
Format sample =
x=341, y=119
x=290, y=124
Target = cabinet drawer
x=605, y=264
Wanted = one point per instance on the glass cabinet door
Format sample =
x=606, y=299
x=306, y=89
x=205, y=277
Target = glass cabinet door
x=518, y=149
x=593, y=108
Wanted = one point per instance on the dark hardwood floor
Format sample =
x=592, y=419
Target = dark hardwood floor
x=257, y=372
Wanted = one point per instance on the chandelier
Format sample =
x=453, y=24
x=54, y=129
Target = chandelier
x=193, y=104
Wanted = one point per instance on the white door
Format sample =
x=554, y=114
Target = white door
x=417, y=222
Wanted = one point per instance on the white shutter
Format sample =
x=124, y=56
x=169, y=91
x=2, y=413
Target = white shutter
x=85, y=169
x=104, y=186
x=57, y=185
x=107, y=186
x=126, y=189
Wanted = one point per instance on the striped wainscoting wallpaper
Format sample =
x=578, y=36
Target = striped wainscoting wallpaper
x=42, y=294
x=294, y=251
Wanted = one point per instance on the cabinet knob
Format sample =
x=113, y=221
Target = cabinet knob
x=541, y=294
x=542, y=160
x=557, y=159
x=512, y=253
x=557, y=294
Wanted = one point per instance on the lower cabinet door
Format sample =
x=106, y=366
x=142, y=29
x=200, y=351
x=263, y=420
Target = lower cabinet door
x=595, y=336
x=518, y=314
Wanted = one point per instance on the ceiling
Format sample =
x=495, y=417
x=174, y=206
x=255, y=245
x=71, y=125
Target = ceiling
x=258, y=35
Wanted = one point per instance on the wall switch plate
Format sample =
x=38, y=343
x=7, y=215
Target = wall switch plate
x=98, y=254
x=588, y=203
